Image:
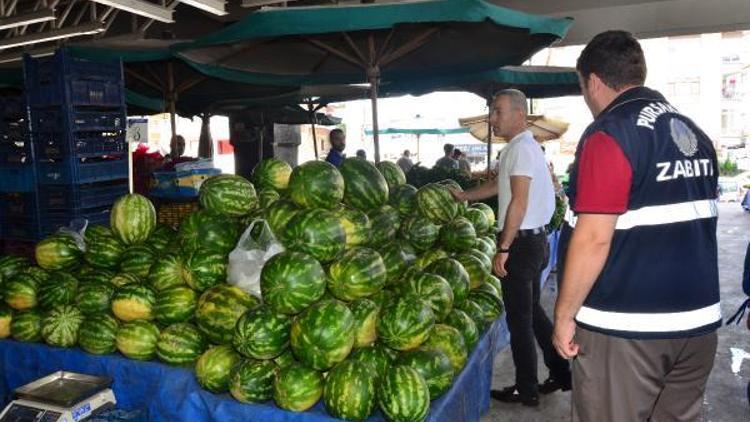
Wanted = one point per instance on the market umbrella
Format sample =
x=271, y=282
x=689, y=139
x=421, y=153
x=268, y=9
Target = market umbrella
x=371, y=43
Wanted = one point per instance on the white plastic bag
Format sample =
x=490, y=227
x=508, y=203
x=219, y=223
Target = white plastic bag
x=256, y=246
x=77, y=230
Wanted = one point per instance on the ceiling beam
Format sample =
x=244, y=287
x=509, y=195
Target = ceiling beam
x=53, y=35
x=141, y=8
x=215, y=7
x=39, y=16
x=261, y=3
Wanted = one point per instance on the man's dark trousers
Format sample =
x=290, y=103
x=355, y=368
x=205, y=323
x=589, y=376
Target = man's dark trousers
x=526, y=319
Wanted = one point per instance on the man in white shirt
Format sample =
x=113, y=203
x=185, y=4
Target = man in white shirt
x=526, y=202
x=405, y=161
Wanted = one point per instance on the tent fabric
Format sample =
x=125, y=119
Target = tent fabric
x=419, y=131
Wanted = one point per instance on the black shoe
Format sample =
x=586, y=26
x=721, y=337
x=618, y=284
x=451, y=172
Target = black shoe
x=511, y=395
x=550, y=385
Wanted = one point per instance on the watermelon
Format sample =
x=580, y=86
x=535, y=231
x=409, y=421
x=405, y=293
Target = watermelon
x=61, y=289
x=404, y=199
x=175, y=305
x=218, y=310
x=405, y=323
x=450, y=341
x=98, y=333
x=261, y=334
x=349, y=391
x=209, y=231
x=382, y=297
x=359, y=272
x=453, y=185
x=292, y=281
x=161, y=238
x=455, y=274
x=132, y=218
x=323, y=335
x=385, y=223
x=461, y=321
x=392, y=174
x=397, y=257
x=6, y=318
x=228, y=194
x=279, y=214
x=487, y=211
x=487, y=248
x=475, y=312
x=180, y=344
x=272, y=173
x=403, y=395
x=103, y=248
x=21, y=292
x=94, y=298
x=285, y=359
x=37, y=272
x=60, y=326
x=435, y=202
x=495, y=282
x=137, y=340
x=434, y=290
x=267, y=197
x=316, y=232
x=491, y=305
x=166, y=273
x=434, y=366
x=427, y=258
x=137, y=260
x=252, y=381
x=420, y=232
x=488, y=288
x=214, y=367
x=297, y=387
x=96, y=277
x=491, y=240
x=133, y=302
x=486, y=260
x=58, y=252
x=12, y=265
x=475, y=268
x=365, y=314
x=123, y=279
x=316, y=184
x=365, y=188
x=356, y=224
x=375, y=355
x=27, y=326
x=478, y=220
x=203, y=269
x=458, y=235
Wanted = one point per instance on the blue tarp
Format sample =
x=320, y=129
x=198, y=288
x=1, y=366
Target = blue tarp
x=169, y=394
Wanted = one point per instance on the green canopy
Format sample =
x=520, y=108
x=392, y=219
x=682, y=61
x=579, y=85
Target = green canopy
x=419, y=131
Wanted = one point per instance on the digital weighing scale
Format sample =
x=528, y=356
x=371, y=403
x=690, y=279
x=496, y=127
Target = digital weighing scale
x=61, y=396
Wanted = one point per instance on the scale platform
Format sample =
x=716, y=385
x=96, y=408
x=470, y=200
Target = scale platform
x=60, y=396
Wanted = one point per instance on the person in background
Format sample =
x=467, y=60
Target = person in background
x=176, y=153
x=447, y=161
x=361, y=154
x=463, y=164
x=336, y=156
x=405, y=161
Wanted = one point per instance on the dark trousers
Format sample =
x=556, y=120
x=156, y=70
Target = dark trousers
x=526, y=319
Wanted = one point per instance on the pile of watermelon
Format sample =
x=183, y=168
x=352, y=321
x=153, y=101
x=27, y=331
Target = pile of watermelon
x=380, y=296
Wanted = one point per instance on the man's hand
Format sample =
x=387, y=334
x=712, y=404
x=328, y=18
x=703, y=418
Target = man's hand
x=458, y=195
x=562, y=338
x=498, y=264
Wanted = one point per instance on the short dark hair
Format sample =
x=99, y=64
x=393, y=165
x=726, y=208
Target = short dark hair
x=335, y=133
x=448, y=148
x=617, y=59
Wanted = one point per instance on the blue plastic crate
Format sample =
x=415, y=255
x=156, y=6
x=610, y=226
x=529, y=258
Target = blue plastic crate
x=18, y=204
x=81, y=196
x=73, y=171
x=19, y=178
x=14, y=154
x=49, y=120
x=25, y=228
x=55, y=146
x=60, y=119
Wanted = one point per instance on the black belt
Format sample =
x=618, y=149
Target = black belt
x=527, y=232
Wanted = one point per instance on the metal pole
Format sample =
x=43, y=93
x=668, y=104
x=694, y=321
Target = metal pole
x=172, y=99
x=489, y=140
x=312, y=125
x=262, y=137
x=373, y=74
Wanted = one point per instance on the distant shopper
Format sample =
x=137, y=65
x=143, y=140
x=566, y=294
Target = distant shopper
x=361, y=154
x=176, y=153
x=336, y=156
x=405, y=161
x=463, y=164
x=447, y=161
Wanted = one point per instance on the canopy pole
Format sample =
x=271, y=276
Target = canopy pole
x=312, y=125
x=373, y=74
x=262, y=137
x=172, y=99
x=489, y=140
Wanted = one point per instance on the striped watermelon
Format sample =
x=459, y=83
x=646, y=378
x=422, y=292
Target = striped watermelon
x=292, y=281
x=266, y=198
x=375, y=355
x=61, y=289
x=403, y=395
x=132, y=218
x=96, y=277
x=279, y=214
x=365, y=314
x=356, y=225
x=427, y=258
x=458, y=235
x=486, y=260
x=486, y=247
x=475, y=312
x=272, y=173
x=488, y=212
x=323, y=335
x=166, y=273
x=491, y=240
x=6, y=318
x=316, y=184
x=98, y=333
x=434, y=366
x=349, y=391
x=392, y=174
x=475, y=268
x=27, y=326
x=404, y=199
x=218, y=310
x=489, y=288
x=420, y=232
x=453, y=185
x=204, y=269
x=461, y=321
x=359, y=272
x=214, y=367
x=382, y=297
x=405, y=323
x=161, y=238
x=38, y=273
x=133, y=302
x=228, y=194
x=297, y=388
x=478, y=220
x=434, y=290
x=491, y=305
x=496, y=284
x=261, y=334
x=285, y=359
x=365, y=188
x=21, y=292
x=60, y=326
x=124, y=279
x=435, y=202
x=450, y=341
x=455, y=274
x=103, y=249
x=208, y=230
x=385, y=223
x=137, y=260
x=397, y=257
x=58, y=252
x=252, y=381
x=180, y=344
x=316, y=232
x=137, y=340
x=11, y=265
x=176, y=304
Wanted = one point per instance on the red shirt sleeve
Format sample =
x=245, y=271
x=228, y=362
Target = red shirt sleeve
x=604, y=177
